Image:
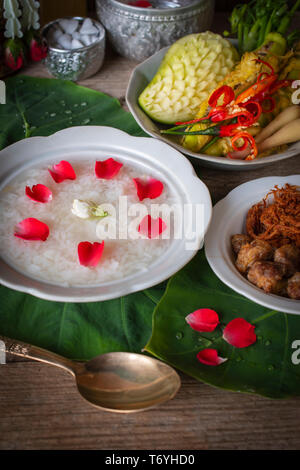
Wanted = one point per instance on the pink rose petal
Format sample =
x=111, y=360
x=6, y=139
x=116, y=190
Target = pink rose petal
x=89, y=254
x=32, y=229
x=203, y=319
x=39, y=193
x=151, y=227
x=62, y=171
x=239, y=333
x=107, y=169
x=210, y=357
x=148, y=189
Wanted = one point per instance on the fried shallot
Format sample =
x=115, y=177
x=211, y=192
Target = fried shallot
x=276, y=219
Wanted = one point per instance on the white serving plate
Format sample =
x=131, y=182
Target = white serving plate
x=229, y=217
x=141, y=76
x=92, y=143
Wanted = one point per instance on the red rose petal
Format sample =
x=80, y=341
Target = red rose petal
x=39, y=193
x=148, y=189
x=107, y=169
x=32, y=229
x=62, y=171
x=210, y=357
x=38, y=50
x=89, y=254
x=239, y=333
x=140, y=3
x=151, y=227
x=203, y=319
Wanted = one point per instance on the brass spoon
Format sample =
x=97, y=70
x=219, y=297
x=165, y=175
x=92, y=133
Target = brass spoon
x=118, y=381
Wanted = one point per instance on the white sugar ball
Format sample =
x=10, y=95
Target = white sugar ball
x=88, y=27
x=76, y=44
x=54, y=35
x=65, y=41
x=85, y=39
x=76, y=35
x=69, y=26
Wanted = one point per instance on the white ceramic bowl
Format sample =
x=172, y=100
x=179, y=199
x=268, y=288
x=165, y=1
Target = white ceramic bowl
x=92, y=143
x=229, y=217
x=140, y=78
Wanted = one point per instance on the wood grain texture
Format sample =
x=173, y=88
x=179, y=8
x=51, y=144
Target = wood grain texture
x=40, y=407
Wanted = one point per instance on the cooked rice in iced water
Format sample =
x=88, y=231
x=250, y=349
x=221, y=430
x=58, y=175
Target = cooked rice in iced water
x=56, y=260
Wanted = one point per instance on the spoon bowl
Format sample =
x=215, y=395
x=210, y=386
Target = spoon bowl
x=122, y=382
x=126, y=382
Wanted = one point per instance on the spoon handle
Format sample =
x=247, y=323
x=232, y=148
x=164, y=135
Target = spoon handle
x=18, y=348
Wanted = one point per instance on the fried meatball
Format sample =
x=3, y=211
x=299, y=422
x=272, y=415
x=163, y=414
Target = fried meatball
x=293, y=287
x=289, y=255
x=267, y=275
x=251, y=252
x=239, y=240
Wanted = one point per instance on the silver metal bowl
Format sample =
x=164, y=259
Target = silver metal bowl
x=75, y=64
x=137, y=33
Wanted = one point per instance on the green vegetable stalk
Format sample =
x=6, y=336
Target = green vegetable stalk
x=252, y=22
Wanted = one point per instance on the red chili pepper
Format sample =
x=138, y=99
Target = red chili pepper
x=215, y=115
x=267, y=64
x=248, y=140
x=194, y=121
x=267, y=84
x=228, y=131
x=275, y=86
x=264, y=75
x=279, y=84
x=225, y=90
x=218, y=114
x=257, y=90
x=254, y=108
x=246, y=118
x=261, y=86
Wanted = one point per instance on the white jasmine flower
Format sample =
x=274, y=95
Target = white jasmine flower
x=81, y=209
x=87, y=209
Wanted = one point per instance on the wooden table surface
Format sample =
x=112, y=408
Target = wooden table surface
x=40, y=407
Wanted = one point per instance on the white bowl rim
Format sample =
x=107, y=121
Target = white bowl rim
x=149, y=152
x=216, y=244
